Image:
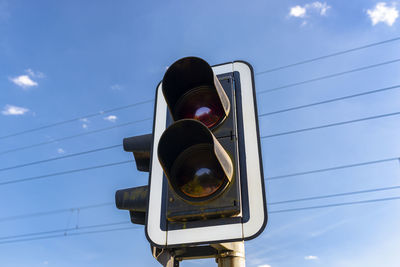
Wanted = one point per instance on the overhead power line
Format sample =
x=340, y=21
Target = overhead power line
x=331, y=168
x=58, y=158
x=330, y=100
x=335, y=195
x=63, y=172
x=332, y=125
x=130, y=161
x=76, y=119
x=328, y=76
x=57, y=211
x=68, y=234
x=329, y=55
x=131, y=228
x=261, y=115
x=73, y=136
x=64, y=230
x=151, y=100
x=335, y=205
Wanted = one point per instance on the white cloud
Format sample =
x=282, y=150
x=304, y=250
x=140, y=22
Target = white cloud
x=301, y=11
x=60, y=151
x=84, y=120
x=13, y=110
x=383, y=13
x=85, y=126
x=24, y=81
x=264, y=265
x=297, y=11
x=311, y=257
x=111, y=118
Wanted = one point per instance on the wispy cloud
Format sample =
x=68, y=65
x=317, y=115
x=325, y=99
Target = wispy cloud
x=111, y=118
x=35, y=74
x=264, y=265
x=60, y=151
x=383, y=13
x=315, y=7
x=311, y=257
x=13, y=110
x=116, y=87
x=24, y=81
x=85, y=123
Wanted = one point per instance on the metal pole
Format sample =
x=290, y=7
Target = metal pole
x=234, y=257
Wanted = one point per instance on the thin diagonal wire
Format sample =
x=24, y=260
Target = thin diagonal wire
x=330, y=100
x=75, y=119
x=58, y=158
x=328, y=56
x=44, y=213
x=151, y=100
x=331, y=168
x=62, y=230
x=328, y=76
x=335, y=195
x=331, y=125
x=335, y=205
x=72, y=136
x=63, y=172
x=69, y=234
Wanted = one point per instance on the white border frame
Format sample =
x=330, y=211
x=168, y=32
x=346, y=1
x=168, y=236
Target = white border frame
x=218, y=233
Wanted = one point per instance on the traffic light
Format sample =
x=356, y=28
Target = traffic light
x=206, y=181
x=135, y=199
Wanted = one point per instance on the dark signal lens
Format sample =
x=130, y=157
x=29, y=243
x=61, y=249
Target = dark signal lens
x=197, y=174
x=200, y=104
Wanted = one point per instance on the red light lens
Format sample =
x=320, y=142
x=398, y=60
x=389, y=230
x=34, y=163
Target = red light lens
x=196, y=172
x=202, y=105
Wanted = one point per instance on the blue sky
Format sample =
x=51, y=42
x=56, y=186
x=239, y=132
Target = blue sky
x=64, y=59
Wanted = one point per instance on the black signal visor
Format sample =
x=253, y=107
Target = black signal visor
x=192, y=91
x=196, y=165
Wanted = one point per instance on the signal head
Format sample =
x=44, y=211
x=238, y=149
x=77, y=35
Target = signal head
x=195, y=163
x=192, y=91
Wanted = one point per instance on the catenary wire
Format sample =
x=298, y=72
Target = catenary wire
x=130, y=161
x=58, y=158
x=330, y=100
x=45, y=213
x=270, y=212
x=261, y=115
x=335, y=205
x=331, y=168
x=151, y=100
x=266, y=136
x=327, y=76
x=331, y=125
x=329, y=55
x=63, y=230
x=64, y=172
x=68, y=234
x=75, y=119
x=335, y=195
x=73, y=136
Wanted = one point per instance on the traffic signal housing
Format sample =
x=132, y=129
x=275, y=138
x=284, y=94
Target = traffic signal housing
x=206, y=156
x=135, y=199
